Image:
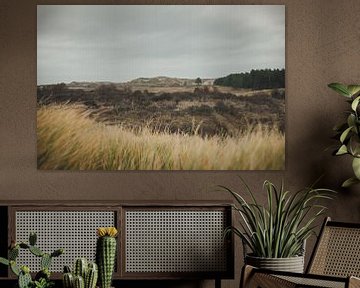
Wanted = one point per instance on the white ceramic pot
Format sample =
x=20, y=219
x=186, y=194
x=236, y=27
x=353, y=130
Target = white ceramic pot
x=291, y=264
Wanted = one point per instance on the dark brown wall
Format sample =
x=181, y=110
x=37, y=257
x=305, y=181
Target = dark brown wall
x=322, y=46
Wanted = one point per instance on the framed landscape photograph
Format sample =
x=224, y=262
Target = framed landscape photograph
x=161, y=87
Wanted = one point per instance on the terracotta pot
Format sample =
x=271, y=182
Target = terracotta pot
x=291, y=264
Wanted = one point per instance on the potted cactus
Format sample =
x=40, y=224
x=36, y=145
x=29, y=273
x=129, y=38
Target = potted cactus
x=42, y=278
x=106, y=254
x=85, y=275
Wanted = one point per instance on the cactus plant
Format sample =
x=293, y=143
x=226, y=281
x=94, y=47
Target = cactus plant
x=14, y=268
x=84, y=274
x=45, y=261
x=32, y=238
x=79, y=282
x=42, y=278
x=43, y=274
x=105, y=254
x=57, y=252
x=91, y=276
x=13, y=253
x=67, y=269
x=24, y=280
x=68, y=280
x=36, y=251
x=80, y=268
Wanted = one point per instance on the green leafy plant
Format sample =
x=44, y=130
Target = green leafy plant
x=43, y=283
x=42, y=278
x=279, y=229
x=349, y=132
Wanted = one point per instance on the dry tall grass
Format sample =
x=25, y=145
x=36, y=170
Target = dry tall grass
x=69, y=139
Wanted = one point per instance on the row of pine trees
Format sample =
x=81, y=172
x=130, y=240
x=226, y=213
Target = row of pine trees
x=255, y=79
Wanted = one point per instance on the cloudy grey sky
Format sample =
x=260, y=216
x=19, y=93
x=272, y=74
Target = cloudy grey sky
x=122, y=42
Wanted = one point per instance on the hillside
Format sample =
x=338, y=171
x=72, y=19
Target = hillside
x=152, y=82
x=163, y=81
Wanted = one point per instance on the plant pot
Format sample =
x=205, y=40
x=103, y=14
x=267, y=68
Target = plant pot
x=291, y=264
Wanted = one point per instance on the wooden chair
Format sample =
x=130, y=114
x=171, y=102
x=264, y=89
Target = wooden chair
x=335, y=262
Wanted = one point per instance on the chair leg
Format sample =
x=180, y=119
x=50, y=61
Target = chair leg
x=246, y=274
x=217, y=283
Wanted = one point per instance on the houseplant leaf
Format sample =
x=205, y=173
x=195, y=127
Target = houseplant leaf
x=354, y=145
x=340, y=127
x=351, y=120
x=342, y=150
x=355, y=103
x=345, y=134
x=356, y=167
x=349, y=182
x=340, y=88
x=348, y=133
x=353, y=89
x=4, y=261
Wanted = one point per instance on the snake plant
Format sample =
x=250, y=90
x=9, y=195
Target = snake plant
x=279, y=228
x=348, y=132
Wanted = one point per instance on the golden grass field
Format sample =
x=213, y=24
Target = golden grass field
x=69, y=138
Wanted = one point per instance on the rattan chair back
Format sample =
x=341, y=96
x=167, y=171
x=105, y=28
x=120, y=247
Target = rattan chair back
x=337, y=252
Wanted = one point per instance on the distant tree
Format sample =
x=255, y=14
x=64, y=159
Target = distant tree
x=255, y=79
x=198, y=81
